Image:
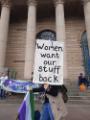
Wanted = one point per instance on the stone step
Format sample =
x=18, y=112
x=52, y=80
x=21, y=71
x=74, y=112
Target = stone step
x=84, y=102
x=78, y=94
x=79, y=99
x=74, y=91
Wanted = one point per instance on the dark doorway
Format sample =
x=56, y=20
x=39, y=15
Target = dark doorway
x=46, y=35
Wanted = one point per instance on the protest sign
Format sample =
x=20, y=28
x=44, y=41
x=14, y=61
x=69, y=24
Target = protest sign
x=48, y=66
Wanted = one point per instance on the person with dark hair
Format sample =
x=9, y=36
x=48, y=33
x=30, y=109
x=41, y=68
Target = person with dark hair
x=82, y=80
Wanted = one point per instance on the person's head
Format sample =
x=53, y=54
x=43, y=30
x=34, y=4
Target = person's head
x=81, y=74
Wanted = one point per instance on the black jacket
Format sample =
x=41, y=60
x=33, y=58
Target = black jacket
x=52, y=90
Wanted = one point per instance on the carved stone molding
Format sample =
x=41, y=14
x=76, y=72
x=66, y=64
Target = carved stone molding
x=32, y=2
x=6, y=3
x=58, y=2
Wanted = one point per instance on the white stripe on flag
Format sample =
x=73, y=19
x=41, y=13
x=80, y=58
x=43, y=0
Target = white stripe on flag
x=28, y=107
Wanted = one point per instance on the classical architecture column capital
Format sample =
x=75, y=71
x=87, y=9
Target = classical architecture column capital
x=58, y=2
x=32, y=2
x=6, y=3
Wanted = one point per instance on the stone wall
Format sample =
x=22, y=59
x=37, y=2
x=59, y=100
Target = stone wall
x=16, y=45
x=15, y=56
x=74, y=30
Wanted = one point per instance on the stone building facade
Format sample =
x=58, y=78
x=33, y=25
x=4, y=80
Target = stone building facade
x=22, y=21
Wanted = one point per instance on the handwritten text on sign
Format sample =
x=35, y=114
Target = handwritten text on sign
x=48, y=67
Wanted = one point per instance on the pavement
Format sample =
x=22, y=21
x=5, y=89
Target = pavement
x=10, y=105
x=78, y=112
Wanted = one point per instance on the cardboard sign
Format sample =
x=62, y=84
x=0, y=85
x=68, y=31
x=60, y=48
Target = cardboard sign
x=48, y=67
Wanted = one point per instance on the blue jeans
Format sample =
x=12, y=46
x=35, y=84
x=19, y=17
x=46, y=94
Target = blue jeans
x=37, y=115
x=2, y=94
x=46, y=113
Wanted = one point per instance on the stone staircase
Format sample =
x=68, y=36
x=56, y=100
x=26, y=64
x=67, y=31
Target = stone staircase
x=75, y=96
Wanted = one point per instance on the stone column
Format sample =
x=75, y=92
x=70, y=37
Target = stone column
x=87, y=19
x=30, y=39
x=60, y=28
x=4, y=25
x=60, y=21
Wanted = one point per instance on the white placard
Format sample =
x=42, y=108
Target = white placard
x=48, y=65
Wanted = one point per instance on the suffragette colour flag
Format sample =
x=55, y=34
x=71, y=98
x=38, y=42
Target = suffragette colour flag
x=26, y=110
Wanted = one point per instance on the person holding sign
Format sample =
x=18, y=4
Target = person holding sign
x=53, y=106
x=48, y=70
x=54, y=93
x=46, y=113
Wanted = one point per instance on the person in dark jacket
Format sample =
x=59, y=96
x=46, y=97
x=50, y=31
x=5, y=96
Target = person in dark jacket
x=82, y=80
x=50, y=90
x=56, y=101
